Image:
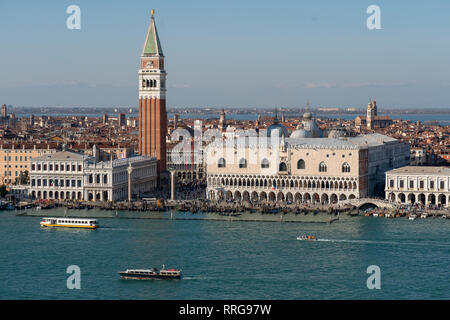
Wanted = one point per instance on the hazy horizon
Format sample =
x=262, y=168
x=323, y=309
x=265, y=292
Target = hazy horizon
x=228, y=54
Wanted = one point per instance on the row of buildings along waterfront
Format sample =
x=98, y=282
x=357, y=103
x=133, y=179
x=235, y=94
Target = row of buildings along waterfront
x=304, y=167
x=71, y=176
x=311, y=164
x=105, y=174
x=15, y=162
x=419, y=185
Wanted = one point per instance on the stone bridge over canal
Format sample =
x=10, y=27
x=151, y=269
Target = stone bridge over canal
x=365, y=203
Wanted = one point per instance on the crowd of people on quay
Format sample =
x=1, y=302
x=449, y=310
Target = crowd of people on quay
x=187, y=190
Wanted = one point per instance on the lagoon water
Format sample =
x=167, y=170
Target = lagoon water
x=226, y=259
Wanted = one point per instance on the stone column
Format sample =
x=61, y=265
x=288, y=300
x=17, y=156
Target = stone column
x=130, y=171
x=172, y=185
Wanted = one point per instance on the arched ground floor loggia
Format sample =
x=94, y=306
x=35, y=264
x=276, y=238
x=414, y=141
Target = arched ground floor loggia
x=278, y=196
x=57, y=195
x=424, y=198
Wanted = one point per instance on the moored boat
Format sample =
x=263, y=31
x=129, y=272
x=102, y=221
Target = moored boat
x=148, y=274
x=4, y=205
x=412, y=217
x=70, y=223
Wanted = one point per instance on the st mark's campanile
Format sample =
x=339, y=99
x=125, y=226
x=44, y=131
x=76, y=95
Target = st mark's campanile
x=152, y=99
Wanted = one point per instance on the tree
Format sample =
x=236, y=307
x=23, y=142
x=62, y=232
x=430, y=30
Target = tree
x=24, y=178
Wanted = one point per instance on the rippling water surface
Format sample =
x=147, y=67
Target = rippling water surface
x=227, y=260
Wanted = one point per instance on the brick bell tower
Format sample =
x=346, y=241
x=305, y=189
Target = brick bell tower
x=152, y=99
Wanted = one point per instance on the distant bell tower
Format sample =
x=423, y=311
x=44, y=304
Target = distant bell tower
x=370, y=114
x=152, y=98
x=4, y=112
x=222, y=121
x=374, y=107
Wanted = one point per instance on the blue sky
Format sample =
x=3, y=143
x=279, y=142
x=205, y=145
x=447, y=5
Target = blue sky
x=228, y=53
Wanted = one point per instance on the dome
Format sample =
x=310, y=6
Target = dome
x=307, y=115
x=311, y=126
x=185, y=127
x=277, y=129
x=337, y=133
x=300, y=133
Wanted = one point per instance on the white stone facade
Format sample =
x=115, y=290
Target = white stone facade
x=385, y=153
x=311, y=170
x=424, y=185
x=71, y=176
x=109, y=180
x=57, y=176
x=333, y=169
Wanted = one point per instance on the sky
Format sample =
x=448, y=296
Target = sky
x=230, y=53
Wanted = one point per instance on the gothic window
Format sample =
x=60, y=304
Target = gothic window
x=301, y=164
x=242, y=163
x=264, y=163
x=282, y=167
x=345, y=167
x=322, y=167
x=221, y=163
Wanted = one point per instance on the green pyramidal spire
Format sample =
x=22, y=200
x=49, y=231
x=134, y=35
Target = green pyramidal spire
x=152, y=46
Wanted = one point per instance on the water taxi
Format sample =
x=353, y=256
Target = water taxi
x=69, y=223
x=148, y=274
x=307, y=238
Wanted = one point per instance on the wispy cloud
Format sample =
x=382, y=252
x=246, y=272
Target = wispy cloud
x=328, y=85
x=309, y=85
x=314, y=85
x=374, y=84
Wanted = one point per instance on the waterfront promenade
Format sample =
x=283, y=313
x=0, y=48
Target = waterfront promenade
x=267, y=211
